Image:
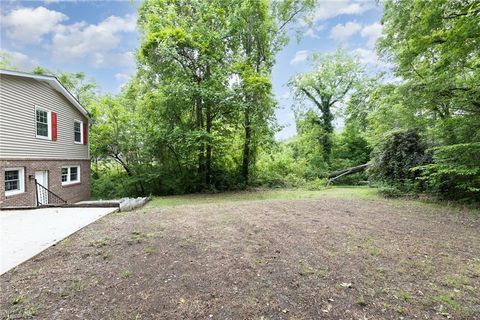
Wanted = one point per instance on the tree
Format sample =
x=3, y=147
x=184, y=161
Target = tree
x=186, y=44
x=213, y=60
x=6, y=61
x=261, y=31
x=84, y=90
x=396, y=156
x=333, y=78
x=435, y=48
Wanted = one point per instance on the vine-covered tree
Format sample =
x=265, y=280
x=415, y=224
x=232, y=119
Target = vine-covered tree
x=435, y=49
x=328, y=86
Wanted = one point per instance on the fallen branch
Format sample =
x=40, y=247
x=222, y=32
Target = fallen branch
x=345, y=172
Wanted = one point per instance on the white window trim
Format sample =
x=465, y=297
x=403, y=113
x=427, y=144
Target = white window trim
x=81, y=131
x=66, y=183
x=49, y=122
x=21, y=180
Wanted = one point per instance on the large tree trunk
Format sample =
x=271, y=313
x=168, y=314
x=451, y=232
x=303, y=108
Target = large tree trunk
x=324, y=105
x=327, y=124
x=246, y=146
x=208, y=164
x=345, y=172
x=201, y=145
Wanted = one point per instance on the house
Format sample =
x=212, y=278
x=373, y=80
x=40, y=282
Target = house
x=44, y=156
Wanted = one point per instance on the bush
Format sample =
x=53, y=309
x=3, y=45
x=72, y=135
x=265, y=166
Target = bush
x=316, y=184
x=389, y=191
x=455, y=172
x=394, y=159
x=110, y=186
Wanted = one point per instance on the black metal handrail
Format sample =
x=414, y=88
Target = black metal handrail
x=45, y=196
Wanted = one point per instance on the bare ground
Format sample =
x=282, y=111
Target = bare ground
x=283, y=259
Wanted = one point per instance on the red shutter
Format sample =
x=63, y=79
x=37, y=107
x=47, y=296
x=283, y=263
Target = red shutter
x=54, y=126
x=85, y=132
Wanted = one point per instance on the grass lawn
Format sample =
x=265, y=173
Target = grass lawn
x=341, y=253
x=266, y=194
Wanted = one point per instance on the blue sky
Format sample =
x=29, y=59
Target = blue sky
x=100, y=39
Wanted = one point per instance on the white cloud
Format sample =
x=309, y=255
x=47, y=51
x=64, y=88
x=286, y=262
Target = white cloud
x=126, y=59
x=96, y=44
x=372, y=32
x=81, y=40
x=122, y=77
x=312, y=32
x=29, y=25
x=369, y=57
x=330, y=9
x=342, y=32
x=19, y=60
x=300, y=56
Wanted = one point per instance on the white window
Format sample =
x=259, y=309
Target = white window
x=77, y=131
x=43, y=124
x=70, y=175
x=14, y=181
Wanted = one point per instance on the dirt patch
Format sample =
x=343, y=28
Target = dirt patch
x=297, y=259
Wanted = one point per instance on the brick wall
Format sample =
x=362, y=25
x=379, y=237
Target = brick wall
x=70, y=193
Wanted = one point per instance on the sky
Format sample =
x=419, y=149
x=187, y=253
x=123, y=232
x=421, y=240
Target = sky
x=100, y=39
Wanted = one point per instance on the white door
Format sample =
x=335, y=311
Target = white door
x=42, y=179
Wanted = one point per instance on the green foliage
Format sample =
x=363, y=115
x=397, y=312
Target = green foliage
x=333, y=78
x=199, y=115
x=316, y=184
x=455, y=171
x=6, y=61
x=396, y=156
x=434, y=47
x=83, y=89
x=389, y=190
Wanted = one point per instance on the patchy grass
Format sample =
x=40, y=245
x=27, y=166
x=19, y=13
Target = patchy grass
x=125, y=273
x=274, y=254
x=72, y=288
x=18, y=299
x=363, y=193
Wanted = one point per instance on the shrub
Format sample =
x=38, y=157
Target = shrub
x=394, y=159
x=389, y=191
x=316, y=184
x=455, y=172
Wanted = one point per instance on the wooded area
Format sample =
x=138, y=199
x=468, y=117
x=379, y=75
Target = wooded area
x=199, y=113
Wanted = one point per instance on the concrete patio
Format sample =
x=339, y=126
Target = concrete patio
x=25, y=233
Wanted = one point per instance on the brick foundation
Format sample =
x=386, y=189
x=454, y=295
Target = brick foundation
x=71, y=193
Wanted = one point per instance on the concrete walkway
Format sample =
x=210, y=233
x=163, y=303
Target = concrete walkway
x=25, y=233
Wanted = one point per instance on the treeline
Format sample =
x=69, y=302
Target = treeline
x=426, y=126
x=200, y=108
x=199, y=113
x=418, y=127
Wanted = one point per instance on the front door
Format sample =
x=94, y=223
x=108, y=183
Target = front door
x=42, y=180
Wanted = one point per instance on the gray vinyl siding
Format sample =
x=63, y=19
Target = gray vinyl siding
x=18, y=98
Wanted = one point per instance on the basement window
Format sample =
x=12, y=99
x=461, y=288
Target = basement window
x=14, y=181
x=70, y=175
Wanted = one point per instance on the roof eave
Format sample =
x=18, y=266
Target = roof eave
x=55, y=84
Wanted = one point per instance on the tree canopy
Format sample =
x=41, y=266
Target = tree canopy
x=199, y=113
